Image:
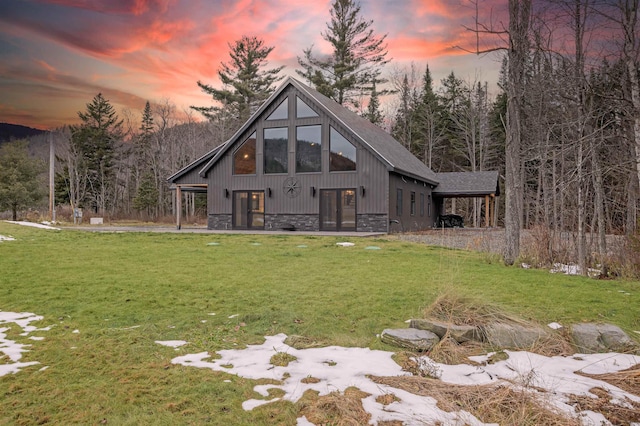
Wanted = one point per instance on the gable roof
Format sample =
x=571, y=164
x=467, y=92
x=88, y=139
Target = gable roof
x=467, y=184
x=395, y=156
x=197, y=163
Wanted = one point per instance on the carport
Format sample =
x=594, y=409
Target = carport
x=482, y=184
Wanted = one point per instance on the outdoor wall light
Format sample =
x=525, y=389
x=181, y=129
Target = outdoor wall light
x=269, y=192
x=313, y=191
x=226, y=193
x=362, y=191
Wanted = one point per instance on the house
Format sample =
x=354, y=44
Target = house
x=304, y=162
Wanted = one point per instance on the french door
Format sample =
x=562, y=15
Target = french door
x=337, y=209
x=248, y=209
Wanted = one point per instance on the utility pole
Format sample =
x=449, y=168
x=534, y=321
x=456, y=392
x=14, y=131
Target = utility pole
x=52, y=203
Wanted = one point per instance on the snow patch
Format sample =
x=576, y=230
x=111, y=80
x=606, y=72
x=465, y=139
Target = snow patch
x=171, y=343
x=338, y=368
x=12, y=349
x=32, y=224
x=345, y=244
x=4, y=238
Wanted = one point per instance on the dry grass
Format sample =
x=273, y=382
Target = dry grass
x=489, y=403
x=281, y=359
x=339, y=409
x=462, y=310
x=303, y=342
x=602, y=403
x=628, y=380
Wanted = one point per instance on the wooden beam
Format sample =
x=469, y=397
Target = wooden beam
x=178, y=207
x=487, y=211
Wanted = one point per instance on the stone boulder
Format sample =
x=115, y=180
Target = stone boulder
x=591, y=338
x=514, y=336
x=410, y=338
x=459, y=333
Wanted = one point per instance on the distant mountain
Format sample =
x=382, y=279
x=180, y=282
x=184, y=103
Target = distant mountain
x=16, y=131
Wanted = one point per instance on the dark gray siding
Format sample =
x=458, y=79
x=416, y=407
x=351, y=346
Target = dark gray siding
x=370, y=175
x=423, y=217
x=190, y=178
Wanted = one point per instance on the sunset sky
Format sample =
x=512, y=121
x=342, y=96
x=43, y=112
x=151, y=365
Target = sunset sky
x=56, y=55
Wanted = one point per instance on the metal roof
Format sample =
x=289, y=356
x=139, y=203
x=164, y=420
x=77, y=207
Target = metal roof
x=467, y=184
x=396, y=157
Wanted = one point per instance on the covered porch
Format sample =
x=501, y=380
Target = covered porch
x=483, y=186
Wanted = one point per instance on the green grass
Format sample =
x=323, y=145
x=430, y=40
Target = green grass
x=166, y=286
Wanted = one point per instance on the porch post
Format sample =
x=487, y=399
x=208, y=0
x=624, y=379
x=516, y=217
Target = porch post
x=178, y=207
x=487, y=211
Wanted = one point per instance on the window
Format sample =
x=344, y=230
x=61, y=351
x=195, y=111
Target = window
x=412, y=208
x=280, y=113
x=421, y=204
x=303, y=110
x=308, y=149
x=342, y=156
x=244, y=159
x=398, y=202
x=429, y=207
x=276, y=152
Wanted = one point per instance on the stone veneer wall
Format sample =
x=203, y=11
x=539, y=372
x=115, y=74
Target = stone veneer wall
x=301, y=222
x=372, y=223
x=219, y=221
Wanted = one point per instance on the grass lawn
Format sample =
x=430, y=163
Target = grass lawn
x=124, y=291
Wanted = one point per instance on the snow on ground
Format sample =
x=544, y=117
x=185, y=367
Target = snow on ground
x=4, y=238
x=35, y=225
x=12, y=349
x=338, y=368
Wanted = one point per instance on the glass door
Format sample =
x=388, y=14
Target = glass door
x=248, y=210
x=337, y=210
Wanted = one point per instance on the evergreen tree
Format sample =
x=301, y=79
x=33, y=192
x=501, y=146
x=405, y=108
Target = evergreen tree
x=356, y=61
x=93, y=142
x=246, y=81
x=19, y=186
x=373, y=113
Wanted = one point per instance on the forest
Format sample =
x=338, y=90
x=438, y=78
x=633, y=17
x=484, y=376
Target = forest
x=563, y=126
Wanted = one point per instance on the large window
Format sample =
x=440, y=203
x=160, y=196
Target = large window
x=244, y=159
x=303, y=110
x=342, y=155
x=276, y=152
x=280, y=113
x=421, y=204
x=308, y=149
x=412, y=205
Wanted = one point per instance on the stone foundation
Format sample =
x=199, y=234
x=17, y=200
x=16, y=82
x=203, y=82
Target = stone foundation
x=297, y=222
x=219, y=221
x=372, y=223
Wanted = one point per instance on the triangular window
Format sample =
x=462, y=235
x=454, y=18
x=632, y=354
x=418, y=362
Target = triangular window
x=303, y=110
x=280, y=113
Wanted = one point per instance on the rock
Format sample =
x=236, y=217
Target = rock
x=594, y=338
x=515, y=336
x=410, y=338
x=460, y=333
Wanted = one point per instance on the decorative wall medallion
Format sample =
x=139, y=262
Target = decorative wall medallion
x=291, y=187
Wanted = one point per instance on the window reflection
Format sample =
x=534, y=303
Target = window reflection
x=342, y=153
x=303, y=110
x=308, y=149
x=276, y=152
x=244, y=159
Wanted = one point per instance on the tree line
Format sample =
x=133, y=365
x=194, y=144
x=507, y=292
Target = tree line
x=563, y=128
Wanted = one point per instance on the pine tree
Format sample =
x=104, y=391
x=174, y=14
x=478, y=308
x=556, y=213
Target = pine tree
x=356, y=61
x=19, y=186
x=373, y=113
x=246, y=81
x=93, y=142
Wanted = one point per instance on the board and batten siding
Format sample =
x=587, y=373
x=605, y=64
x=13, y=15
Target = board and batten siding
x=421, y=218
x=371, y=174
